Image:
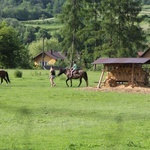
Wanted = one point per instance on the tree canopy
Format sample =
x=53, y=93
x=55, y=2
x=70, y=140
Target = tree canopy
x=94, y=28
x=89, y=29
x=30, y=10
x=12, y=52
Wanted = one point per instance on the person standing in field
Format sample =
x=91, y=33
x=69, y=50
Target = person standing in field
x=52, y=76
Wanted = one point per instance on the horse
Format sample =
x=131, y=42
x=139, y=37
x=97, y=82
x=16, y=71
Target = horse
x=78, y=74
x=4, y=75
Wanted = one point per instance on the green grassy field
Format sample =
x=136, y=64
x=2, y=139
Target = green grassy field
x=36, y=116
x=46, y=26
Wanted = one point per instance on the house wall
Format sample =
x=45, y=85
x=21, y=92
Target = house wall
x=47, y=60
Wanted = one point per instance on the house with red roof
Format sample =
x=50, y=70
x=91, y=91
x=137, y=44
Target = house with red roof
x=48, y=58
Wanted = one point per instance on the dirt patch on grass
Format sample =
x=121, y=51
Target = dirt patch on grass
x=120, y=88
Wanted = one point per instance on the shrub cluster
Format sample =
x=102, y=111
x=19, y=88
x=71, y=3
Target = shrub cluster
x=18, y=74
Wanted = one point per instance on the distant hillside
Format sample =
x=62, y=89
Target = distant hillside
x=30, y=9
x=23, y=10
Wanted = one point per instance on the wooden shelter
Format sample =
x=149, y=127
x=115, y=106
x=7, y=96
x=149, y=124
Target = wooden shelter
x=129, y=71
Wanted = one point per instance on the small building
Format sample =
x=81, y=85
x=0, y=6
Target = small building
x=129, y=71
x=48, y=58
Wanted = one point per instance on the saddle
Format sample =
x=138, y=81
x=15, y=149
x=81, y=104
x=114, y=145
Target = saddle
x=76, y=72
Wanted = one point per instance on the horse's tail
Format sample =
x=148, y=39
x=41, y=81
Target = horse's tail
x=86, y=77
x=7, y=76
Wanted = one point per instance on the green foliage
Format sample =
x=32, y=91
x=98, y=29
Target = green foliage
x=18, y=74
x=146, y=2
x=37, y=46
x=111, y=31
x=71, y=27
x=122, y=34
x=29, y=35
x=62, y=63
x=88, y=29
x=12, y=52
x=30, y=10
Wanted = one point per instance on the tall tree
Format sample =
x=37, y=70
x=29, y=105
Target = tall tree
x=71, y=17
x=122, y=33
x=97, y=28
x=11, y=50
x=91, y=33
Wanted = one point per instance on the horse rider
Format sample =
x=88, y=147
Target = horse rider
x=74, y=68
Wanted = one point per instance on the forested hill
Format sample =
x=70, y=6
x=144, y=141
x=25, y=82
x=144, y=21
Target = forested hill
x=30, y=9
x=24, y=10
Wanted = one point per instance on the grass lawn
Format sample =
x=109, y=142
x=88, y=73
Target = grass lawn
x=36, y=116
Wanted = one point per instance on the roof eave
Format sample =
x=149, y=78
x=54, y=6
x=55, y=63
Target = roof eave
x=122, y=61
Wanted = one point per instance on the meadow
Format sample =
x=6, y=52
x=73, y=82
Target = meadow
x=36, y=116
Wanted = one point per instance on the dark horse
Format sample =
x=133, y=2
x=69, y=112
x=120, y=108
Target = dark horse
x=76, y=75
x=4, y=75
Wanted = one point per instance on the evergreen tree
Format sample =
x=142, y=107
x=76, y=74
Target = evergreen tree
x=91, y=33
x=71, y=17
x=97, y=28
x=122, y=33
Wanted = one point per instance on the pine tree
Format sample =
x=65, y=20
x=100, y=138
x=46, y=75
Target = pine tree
x=97, y=28
x=122, y=33
x=71, y=18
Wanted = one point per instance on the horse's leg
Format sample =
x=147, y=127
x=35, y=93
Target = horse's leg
x=80, y=82
x=1, y=80
x=86, y=78
x=67, y=82
x=6, y=80
x=86, y=82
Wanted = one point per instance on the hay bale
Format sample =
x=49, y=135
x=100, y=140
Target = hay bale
x=124, y=74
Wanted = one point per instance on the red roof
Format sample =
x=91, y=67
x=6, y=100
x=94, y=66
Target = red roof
x=122, y=61
x=53, y=54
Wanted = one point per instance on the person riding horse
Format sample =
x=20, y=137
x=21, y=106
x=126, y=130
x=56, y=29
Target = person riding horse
x=74, y=68
x=81, y=74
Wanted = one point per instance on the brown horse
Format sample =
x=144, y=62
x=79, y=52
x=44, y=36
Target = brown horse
x=4, y=75
x=76, y=75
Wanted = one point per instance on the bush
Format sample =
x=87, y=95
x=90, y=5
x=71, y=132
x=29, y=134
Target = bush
x=18, y=74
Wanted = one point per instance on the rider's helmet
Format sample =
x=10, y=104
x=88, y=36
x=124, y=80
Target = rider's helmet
x=74, y=61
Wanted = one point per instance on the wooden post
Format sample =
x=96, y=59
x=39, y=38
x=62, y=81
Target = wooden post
x=132, y=76
x=101, y=77
x=94, y=66
x=43, y=55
